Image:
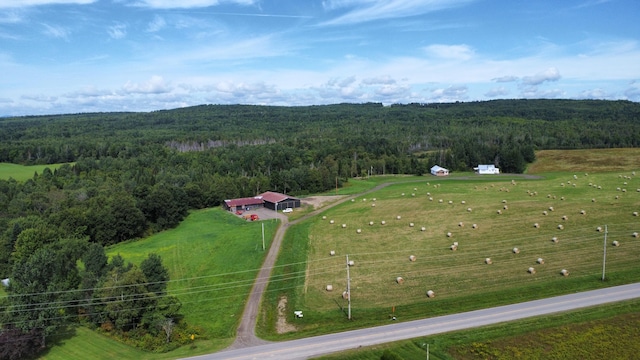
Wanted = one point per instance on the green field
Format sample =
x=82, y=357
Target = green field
x=213, y=258
x=21, y=172
x=504, y=209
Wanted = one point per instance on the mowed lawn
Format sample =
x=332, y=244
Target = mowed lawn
x=486, y=219
x=213, y=258
x=21, y=172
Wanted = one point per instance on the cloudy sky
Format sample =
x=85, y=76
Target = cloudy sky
x=68, y=56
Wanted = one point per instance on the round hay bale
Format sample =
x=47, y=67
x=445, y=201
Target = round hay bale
x=554, y=240
x=593, y=200
x=382, y=222
x=531, y=270
x=373, y=205
x=344, y=226
x=455, y=243
x=450, y=202
x=331, y=221
x=423, y=229
x=398, y=217
x=504, y=201
x=516, y=250
x=410, y=224
x=599, y=187
x=562, y=198
x=564, y=272
x=351, y=263
x=324, y=217
x=353, y=200
x=374, y=199
x=463, y=202
x=412, y=258
x=453, y=247
x=499, y=212
x=540, y=261
x=536, y=225
x=400, y=280
x=345, y=295
x=635, y=234
x=550, y=208
x=461, y=224
x=329, y=287
x=635, y=213
x=505, y=207
x=364, y=199
x=582, y=212
x=544, y=212
x=440, y=201
x=469, y=209
x=402, y=194
x=359, y=231
x=474, y=226
x=560, y=227
x=599, y=229
x=430, y=294
x=488, y=261
x=565, y=218
x=370, y=223
x=413, y=194
x=449, y=234
x=332, y=252
x=430, y=199
x=615, y=243
x=415, y=189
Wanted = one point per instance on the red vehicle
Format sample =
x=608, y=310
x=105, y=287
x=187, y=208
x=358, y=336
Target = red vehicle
x=239, y=212
x=254, y=217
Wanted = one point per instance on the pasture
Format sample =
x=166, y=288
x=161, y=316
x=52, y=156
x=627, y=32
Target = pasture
x=213, y=258
x=551, y=221
x=23, y=173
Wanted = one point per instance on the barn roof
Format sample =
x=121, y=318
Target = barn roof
x=438, y=168
x=274, y=197
x=248, y=201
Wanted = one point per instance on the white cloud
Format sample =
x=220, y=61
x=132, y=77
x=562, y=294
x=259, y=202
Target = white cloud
x=155, y=85
x=186, y=4
x=157, y=24
x=508, y=78
x=452, y=52
x=381, y=80
x=369, y=10
x=449, y=94
x=497, y=92
x=57, y=32
x=27, y=3
x=551, y=74
x=117, y=31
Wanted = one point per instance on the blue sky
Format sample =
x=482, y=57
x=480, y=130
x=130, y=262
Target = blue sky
x=69, y=56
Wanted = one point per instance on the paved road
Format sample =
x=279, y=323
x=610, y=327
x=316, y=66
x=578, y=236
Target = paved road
x=325, y=344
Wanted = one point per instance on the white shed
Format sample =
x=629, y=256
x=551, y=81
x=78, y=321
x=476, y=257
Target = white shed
x=439, y=171
x=487, y=169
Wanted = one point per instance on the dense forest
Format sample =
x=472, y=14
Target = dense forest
x=133, y=174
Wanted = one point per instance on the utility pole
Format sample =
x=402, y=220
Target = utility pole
x=348, y=290
x=604, y=258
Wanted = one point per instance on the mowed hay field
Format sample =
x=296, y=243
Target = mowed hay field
x=505, y=211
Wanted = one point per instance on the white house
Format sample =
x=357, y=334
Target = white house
x=487, y=169
x=439, y=171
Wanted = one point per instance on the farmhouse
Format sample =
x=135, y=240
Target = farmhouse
x=439, y=171
x=270, y=200
x=486, y=169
